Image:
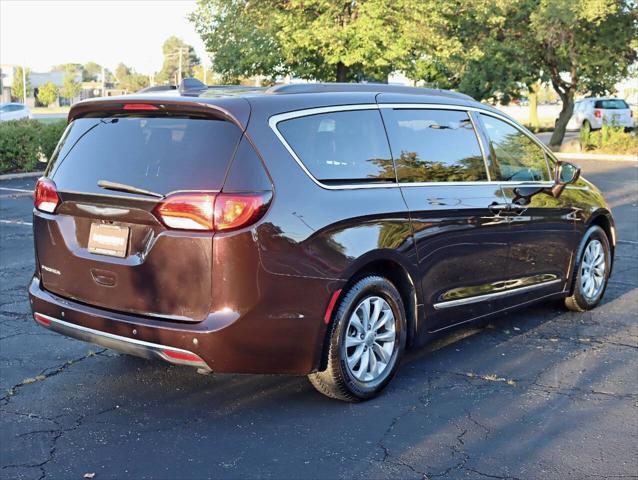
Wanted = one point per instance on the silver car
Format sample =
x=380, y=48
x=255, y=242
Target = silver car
x=14, y=111
x=596, y=112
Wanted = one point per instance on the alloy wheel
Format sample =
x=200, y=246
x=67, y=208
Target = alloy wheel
x=370, y=339
x=592, y=270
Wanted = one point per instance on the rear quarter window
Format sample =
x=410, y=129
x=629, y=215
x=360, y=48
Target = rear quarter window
x=614, y=104
x=158, y=154
x=341, y=147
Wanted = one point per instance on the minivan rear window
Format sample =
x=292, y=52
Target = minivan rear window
x=157, y=154
x=341, y=147
x=614, y=104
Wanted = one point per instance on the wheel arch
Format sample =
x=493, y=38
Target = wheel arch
x=390, y=265
x=604, y=220
x=601, y=218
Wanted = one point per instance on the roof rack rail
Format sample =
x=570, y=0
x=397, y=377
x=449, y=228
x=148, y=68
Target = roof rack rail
x=157, y=88
x=361, y=87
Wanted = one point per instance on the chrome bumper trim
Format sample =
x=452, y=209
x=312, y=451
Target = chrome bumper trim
x=130, y=346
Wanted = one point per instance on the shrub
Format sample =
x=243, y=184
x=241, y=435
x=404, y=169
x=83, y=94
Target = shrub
x=48, y=93
x=610, y=139
x=23, y=141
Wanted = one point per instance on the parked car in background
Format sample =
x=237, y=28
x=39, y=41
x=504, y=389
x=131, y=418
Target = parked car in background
x=312, y=229
x=596, y=112
x=14, y=111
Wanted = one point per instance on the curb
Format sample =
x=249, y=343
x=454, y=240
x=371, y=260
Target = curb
x=13, y=176
x=596, y=156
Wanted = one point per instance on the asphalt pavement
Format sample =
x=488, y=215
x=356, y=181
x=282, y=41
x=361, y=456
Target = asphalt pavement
x=541, y=393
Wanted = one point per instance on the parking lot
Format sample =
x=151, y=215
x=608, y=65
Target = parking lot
x=539, y=393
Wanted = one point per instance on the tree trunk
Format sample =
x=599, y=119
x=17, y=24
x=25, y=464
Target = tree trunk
x=565, y=114
x=533, y=107
x=342, y=72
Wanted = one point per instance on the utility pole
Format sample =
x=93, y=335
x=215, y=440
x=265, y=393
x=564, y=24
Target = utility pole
x=180, y=67
x=103, y=82
x=24, y=83
x=204, y=67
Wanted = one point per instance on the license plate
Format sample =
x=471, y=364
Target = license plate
x=105, y=239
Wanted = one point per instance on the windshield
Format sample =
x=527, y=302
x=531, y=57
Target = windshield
x=156, y=154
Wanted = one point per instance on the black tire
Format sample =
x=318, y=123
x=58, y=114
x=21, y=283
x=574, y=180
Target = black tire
x=579, y=301
x=586, y=124
x=337, y=380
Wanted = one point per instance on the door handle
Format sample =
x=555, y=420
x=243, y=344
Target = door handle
x=507, y=208
x=500, y=207
x=515, y=207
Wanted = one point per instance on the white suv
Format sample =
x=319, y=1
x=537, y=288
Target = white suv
x=599, y=111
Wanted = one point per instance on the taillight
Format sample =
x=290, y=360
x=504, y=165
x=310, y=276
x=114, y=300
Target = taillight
x=212, y=212
x=233, y=211
x=46, y=195
x=631, y=113
x=598, y=114
x=187, y=211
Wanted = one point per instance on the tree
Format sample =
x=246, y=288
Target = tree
x=127, y=79
x=122, y=72
x=48, y=93
x=198, y=73
x=67, y=67
x=71, y=88
x=91, y=71
x=176, y=51
x=17, y=91
x=315, y=39
x=587, y=46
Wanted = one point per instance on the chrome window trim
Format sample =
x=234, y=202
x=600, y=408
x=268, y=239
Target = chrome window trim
x=275, y=119
x=479, y=139
x=491, y=296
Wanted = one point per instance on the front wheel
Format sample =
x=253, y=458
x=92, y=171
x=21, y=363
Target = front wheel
x=592, y=274
x=367, y=338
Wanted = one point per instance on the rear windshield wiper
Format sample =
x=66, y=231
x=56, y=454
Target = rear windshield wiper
x=122, y=187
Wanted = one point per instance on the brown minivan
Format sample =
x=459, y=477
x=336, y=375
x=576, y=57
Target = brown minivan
x=314, y=229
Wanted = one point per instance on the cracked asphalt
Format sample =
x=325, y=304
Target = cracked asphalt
x=541, y=393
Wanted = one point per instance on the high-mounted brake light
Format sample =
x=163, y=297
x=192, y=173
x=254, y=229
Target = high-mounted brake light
x=46, y=195
x=598, y=113
x=212, y=212
x=139, y=106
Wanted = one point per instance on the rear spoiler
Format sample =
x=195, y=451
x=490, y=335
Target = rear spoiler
x=233, y=109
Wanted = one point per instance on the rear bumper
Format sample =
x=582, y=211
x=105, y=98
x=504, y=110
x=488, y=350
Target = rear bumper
x=226, y=342
x=130, y=346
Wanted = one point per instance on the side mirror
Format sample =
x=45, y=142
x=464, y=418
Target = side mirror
x=564, y=174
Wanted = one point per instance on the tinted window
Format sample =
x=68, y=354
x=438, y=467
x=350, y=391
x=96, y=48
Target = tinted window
x=157, y=154
x=515, y=157
x=615, y=104
x=435, y=146
x=337, y=147
x=10, y=108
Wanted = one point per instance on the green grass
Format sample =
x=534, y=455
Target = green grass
x=50, y=120
x=49, y=110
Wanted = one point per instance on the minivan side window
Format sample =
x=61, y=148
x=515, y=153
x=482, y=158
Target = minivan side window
x=515, y=156
x=341, y=147
x=434, y=146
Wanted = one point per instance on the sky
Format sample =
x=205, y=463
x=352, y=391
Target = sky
x=43, y=33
